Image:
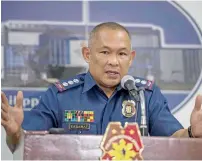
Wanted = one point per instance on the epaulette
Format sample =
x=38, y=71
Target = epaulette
x=146, y=84
x=63, y=85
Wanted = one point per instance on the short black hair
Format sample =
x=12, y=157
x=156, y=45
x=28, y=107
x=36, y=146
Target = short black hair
x=109, y=25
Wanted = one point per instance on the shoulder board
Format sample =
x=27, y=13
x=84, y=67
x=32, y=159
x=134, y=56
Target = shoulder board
x=147, y=84
x=63, y=85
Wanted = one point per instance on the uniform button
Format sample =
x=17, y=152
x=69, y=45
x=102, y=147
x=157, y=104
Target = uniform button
x=82, y=79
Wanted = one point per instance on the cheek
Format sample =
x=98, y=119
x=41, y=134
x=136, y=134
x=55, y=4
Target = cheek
x=93, y=60
x=100, y=60
x=98, y=63
x=124, y=65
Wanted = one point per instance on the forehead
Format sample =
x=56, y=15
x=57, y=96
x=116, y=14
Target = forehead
x=112, y=38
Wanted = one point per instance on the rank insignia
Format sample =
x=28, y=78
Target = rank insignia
x=120, y=143
x=79, y=116
x=128, y=109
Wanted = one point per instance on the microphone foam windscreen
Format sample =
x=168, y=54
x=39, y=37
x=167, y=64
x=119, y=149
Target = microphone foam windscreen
x=125, y=79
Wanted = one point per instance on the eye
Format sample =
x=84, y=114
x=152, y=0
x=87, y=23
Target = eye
x=122, y=53
x=104, y=52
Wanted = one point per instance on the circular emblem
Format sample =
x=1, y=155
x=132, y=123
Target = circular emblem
x=76, y=81
x=128, y=109
x=65, y=84
x=70, y=82
x=144, y=82
x=137, y=80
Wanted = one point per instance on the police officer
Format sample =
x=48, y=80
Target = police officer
x=86, y=103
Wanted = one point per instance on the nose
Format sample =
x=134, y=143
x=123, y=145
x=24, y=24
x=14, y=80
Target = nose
x=113, y=60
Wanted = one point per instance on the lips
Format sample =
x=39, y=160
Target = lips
x=112, y=74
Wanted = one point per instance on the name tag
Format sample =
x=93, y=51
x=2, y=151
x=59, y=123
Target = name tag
x=79, y=126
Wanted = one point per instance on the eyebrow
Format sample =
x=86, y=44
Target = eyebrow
x=110, y=48
x=105, y=47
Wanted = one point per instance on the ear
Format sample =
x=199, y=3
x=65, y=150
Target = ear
x=133, y=54
x=86, y=54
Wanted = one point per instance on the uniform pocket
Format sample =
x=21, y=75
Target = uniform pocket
x=80, y=128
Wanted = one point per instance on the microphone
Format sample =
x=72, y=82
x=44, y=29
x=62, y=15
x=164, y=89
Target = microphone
x=128, y=83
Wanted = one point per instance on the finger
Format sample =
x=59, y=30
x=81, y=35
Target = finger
x=4, y=99
x=198, y=103
x=4, y=115
x=3, y=123
x=19, y=99
x=4, y=107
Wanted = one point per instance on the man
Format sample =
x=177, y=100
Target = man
x=86, y=103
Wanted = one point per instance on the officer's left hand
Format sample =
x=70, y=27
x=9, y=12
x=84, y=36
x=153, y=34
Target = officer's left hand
x=196, y=118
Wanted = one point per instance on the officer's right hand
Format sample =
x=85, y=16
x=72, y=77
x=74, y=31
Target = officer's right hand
x=12, y=117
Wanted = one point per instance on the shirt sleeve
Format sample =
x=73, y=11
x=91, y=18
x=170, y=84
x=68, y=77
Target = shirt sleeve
x=161, y=120
x=45, y=115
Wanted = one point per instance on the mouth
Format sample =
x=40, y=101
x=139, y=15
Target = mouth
x=112, y=74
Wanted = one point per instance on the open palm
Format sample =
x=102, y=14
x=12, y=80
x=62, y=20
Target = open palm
x=12, y=117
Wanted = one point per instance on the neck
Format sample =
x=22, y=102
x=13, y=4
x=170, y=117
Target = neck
x=108, y=90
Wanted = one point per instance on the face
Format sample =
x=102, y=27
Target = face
x=109, y=57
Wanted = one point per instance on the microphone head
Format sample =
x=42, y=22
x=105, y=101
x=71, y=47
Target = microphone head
x=125, y=79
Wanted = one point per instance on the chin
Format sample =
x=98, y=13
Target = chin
x=111, y=83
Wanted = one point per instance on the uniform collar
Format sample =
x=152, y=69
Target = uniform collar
x=89, y=83
x=119, y=87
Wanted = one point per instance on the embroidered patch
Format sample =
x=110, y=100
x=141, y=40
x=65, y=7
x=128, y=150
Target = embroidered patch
x=59, y=86
x=79, y=116
x=150, y=84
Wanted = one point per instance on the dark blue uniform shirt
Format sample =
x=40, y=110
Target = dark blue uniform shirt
x=80, y=107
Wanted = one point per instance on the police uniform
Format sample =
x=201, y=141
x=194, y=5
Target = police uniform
x=80, y=107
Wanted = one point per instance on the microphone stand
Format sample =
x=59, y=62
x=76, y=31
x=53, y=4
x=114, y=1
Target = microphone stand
x=143, y=123
x=138, y=95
